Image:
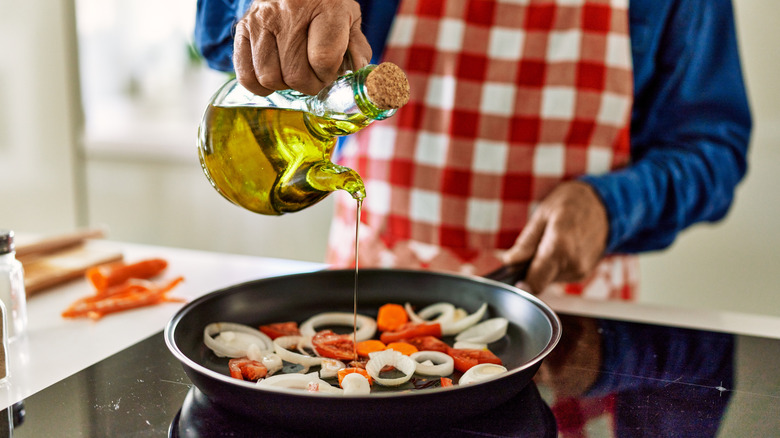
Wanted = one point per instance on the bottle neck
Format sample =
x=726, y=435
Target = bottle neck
x=362, y=100
x=343, y=107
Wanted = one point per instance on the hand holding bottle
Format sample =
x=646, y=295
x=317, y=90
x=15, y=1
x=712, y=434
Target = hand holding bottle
x=297, y=44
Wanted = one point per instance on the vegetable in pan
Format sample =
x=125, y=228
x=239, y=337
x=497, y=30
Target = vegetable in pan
x=409, y=348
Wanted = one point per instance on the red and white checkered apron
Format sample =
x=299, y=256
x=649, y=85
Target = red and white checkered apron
x=508, y=99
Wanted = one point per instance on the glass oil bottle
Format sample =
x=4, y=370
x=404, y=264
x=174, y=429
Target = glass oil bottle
x=272, y=155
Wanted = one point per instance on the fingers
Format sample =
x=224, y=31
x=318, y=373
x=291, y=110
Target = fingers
x=544, y=269
x=327, y=44
x=294, y=42
x=564, y=239
x=527, y=242
x=298, y=44
x=359, y=49
x=245, y=59
x=534, y=243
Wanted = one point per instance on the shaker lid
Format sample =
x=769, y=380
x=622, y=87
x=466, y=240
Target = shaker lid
x=6, y=241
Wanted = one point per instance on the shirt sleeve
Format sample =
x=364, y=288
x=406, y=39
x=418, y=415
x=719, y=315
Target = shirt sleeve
x=215, y=23
x=690, y=125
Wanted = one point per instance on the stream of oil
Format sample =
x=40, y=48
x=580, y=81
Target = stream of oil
x=355, y=292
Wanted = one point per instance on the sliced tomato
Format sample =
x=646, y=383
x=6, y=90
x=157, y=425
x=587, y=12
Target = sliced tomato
x=412, y=330
x=467, y=358
x=332, y=345
x=445, y=382
x=235, y=369
x=278, y=329
x=429, y=343
x=244, y=368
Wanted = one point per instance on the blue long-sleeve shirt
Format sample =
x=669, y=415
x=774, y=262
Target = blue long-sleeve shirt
x=690, y=124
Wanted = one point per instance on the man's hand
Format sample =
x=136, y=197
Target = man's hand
x=564, y=238
x=298, y=44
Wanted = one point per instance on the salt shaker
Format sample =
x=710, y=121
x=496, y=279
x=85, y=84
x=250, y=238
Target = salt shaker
x=12, y=291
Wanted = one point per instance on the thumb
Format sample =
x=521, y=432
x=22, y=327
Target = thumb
x=526, y=243
x=358, y=49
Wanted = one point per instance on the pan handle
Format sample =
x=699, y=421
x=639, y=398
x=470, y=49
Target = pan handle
x=510, y=274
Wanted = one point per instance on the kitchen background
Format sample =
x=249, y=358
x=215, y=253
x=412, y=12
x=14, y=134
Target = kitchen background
x=99, y=106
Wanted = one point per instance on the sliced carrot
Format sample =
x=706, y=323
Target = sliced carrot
x=403, y=348
x=131, y=296
x=391, y=317
x=123, y=289
x=344, y=371
x=136, y=300
x=106, y=276
x=369, y=346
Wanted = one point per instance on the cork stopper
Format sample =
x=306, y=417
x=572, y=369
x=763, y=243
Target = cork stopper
x=387, y=86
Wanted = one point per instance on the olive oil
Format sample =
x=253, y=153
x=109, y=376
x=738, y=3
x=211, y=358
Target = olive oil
x=272, y=154
x=355, y=291
x=274, y=161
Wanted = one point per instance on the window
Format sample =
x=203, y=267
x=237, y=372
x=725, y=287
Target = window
x=144, y=87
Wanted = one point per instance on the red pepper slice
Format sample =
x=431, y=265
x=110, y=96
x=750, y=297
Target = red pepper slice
x=429, y=343
x=412, y=330
x=279, y=329
x=244, y=368
x=467, y=358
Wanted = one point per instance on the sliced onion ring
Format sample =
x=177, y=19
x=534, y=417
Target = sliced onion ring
x=310, y=382
x=366, y=327
x=455, y=327
x=444, y=312
x=245, y=336
x=465, y=345
x=283, y=346
x=355, y=384
x=272, y=362
x=380, y=359
x=441, y=364
x=485, y=332
x=481, y=372
x=330, y=368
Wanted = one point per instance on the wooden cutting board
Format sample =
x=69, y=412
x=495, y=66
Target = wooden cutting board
x=42, y=271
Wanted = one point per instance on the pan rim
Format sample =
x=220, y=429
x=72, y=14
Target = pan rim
x=549, y=313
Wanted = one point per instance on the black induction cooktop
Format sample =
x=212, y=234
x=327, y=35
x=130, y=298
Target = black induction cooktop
x=605, y=378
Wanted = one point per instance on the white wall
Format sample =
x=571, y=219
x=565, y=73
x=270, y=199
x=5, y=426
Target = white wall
x=39, y=116
x=735, y=265
x=171, y=203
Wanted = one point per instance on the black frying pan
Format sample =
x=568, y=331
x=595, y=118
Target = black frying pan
x=533, y=332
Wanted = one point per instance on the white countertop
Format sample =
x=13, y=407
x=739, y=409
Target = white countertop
x=56, y=348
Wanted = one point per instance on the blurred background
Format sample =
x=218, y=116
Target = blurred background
x=101, y=100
